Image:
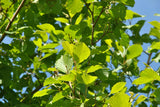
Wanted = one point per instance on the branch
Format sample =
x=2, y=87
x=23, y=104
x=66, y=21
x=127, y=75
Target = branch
x=102, y=36
x=149, y=57
x=99, y=16
x=88, y=7
x=92, y=25
x=11, y=21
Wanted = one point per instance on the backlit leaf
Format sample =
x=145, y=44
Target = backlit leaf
x=68, y=47
x=118, y=87
x=74, y=6
x=88, y=79
x=148, y=75
x=62, y=20
x=120, y=100
x=134, y=51
x=81, y=52
x=140, y=99
x=43, y=92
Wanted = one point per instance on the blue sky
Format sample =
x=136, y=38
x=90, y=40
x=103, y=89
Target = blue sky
x=147, y=8
x=143, y=7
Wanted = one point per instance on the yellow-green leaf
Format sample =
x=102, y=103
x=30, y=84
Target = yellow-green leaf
x=140, y=99
x=38, y=42
x=43, y=92
x=88, y=79
x=68, y=47
x=81, y=52
x=120, y=100
x=118, y=87
x=93, y=68
x=134, y=51
x=62, y=20
x=74, y=6
x=148, y=75
x=155, y=24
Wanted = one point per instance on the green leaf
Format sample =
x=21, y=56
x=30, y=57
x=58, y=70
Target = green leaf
x=140, y=99
x=155, y=24
x=64, y=64
x=46, y=27
x=74, y=6
x=118, y=87
x=88, y=79
x=43, y=34
x=48, y=46
x=78, y=20
x=155, y=32
x=155, y=45
x=157, y=58
x=0, y=81
x=93, y=68
x=134, y=51
x=109, y=42
x=62, y=20
x=130, y=15
x=43, y=93
x=81, y=52
x=57, y=97
x=68, y=77
x=50, y=81
x=119, y=100
x=38, y=42
x=68, y=47
x=157, y=94
x=156, y=14
x=50, y=52
x=148, y=75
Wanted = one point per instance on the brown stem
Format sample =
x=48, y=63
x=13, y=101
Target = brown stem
x=87, y=6
x=92, y=14
x=149, y=57
x=11, y=21
x=102, y=36
x=99, y=16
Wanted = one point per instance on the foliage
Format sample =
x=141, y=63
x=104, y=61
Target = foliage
x=76, y=53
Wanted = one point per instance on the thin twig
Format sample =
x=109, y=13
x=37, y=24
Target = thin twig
x=87, y=6
x=11, y=21
x=99, y=16
x=149, y=57
x=102, y=36
x=145, y=52
x=70, y=85
x=92, y=14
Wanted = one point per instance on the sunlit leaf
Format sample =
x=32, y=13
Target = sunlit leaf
x=68, y=77
x=62, y=20
x=81, y=52
x=134, y=51
x=118, y=87
x=148, y=75
x=68, y=47
x=88, y=79
x=46, y=27
x=93, y=68
x=74, y=6
x=130, y=14
x=43, y=92
x=119, y=100
x=140, y=99
x=155, y=32
x=155, y=24
x=57, y=97
x=38, y=42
